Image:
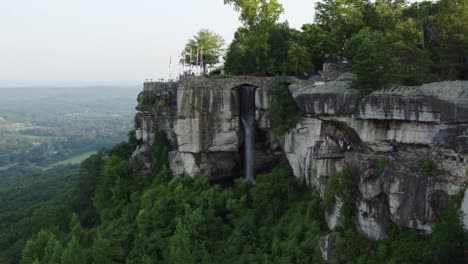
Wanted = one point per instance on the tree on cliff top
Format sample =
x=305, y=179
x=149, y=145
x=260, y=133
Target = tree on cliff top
x=256, y=13
x=260, y=45
x=203, y=49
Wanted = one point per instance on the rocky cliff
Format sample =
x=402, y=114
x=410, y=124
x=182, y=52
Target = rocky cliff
x=409, y=144
x=200, y=116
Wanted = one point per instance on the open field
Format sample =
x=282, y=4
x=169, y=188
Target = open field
x=31, y=137
x=73, y=160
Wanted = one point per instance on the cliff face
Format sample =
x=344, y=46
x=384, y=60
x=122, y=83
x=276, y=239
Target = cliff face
x=157, y=110
x=201, y=118
x=426, y=126
x=426, y=123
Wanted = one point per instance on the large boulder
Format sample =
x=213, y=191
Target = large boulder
x=329, y=98
x=397, y=188
x=443, y=102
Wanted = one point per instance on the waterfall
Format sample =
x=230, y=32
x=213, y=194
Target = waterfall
x=248, y=124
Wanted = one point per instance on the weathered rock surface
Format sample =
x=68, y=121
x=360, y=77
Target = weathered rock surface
x=327, y=244
x=427, y=121
x=372, y=218
x=201, y=119
x=417, y=198
x=442, y=102
x=157, y=114
x=330, y=98
x=200, y=116
x=464, y=208
x=333, y=216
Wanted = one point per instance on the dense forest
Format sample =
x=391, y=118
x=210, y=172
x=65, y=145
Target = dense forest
x=386, y=42
x=42, y=131
x=120, y=217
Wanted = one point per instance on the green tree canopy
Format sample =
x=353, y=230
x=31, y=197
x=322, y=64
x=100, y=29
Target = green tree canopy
x=209, y=47
x=257, y=13
x=259, y=47
x=342, y=18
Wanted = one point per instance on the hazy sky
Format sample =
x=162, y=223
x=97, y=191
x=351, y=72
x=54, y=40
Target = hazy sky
x=96, y=40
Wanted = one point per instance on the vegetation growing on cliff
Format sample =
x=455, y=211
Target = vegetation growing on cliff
x=344, y=186
x=181, y=220
x=125, y=218
x=144, y=100
x=282, y=110
x=446, y=244
x=426, y=165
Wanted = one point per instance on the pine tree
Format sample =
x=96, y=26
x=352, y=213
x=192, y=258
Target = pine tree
x=73, y=253
x=102, y=251
x=53, y=251
x=34, y=248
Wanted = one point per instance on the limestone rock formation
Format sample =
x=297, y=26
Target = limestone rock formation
x=421, y=122
x=409, y=145
x=330, y=98
x=156, y=112
x=442, y=102
x=201, y=118
x=327, y=243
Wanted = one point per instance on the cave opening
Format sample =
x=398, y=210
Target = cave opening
x=247, y=124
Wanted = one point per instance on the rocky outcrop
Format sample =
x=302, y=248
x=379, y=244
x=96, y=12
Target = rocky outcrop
x=442, y=102
x=427, y=122
x=392, y=132
x=207, y=123
x=327, y=244
x=330, y=98
x=399, y=189
x=156, y=112
x=201, y=118
x=464, y=209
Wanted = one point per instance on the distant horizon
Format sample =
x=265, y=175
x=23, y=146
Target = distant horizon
x=112, y=39
x=6, y=84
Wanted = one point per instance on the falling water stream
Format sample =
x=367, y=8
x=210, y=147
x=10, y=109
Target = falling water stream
x=248, y=125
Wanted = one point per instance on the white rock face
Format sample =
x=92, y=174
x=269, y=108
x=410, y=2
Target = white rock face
x=227, y=141
x=262, y=97
x=333, y=217
x=373, y=132
x=416, y=199
x=143, y=132
x=371, y=219
x=207, y=121
x=201, y=120
x=433, y=102
x=183, y=163
x=330, y=98
x=187, y=132
x=370, y=183
x=327, y=244
x=298, y=145
x=464, y=208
